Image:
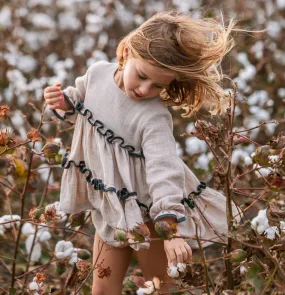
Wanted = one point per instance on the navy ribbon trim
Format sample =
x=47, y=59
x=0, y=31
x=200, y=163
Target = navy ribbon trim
x=67, y=113
x=109, y=134
x=190, y=201
x=97, y=183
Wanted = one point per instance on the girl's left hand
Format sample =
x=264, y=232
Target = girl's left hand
x=177, y=250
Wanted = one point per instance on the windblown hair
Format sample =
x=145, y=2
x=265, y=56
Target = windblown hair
x=192, y=48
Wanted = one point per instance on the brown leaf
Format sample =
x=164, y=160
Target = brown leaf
x=33, y=136
x=279, y=142
x=3, y=110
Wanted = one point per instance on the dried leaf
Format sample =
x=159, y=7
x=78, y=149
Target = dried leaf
x=33, y=136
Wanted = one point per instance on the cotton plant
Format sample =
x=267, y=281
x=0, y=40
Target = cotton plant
x=42, y=235
x=60, y=214
x=7, y=226
x=261, y=225
x=64, y=250
x=149, y=287
x=177, y=271
x=36, y=286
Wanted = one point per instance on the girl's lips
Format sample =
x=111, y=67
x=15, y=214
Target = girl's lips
x=137, y=95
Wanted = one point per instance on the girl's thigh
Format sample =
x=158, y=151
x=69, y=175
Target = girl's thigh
x=117, y=259
x=153, y=261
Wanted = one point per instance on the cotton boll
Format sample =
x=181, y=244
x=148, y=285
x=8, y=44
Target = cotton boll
x=280, y=4
x=262, y=171
x=68, y=252
x=261, y=228
x=59, y=246
x=260, y=114
x=33, y=286
x=51, y=59
x=42, y=20
x=243, y=270
x=242, y=58
x=84, y=43
x=37, y=249
x=202, y=162
x=273, y=29
x=258, y=98
x=195, y=145
x=172, y=271
x=73, y=259
x=59, y=255
x=140, y=291
x=238, y=156
x=247, y=73
x=271, y=232
x=6, y=17
x=68, y=21
x=26, y=64
x=7, y=218
x=281, y=91
x=28, y=229
x=45, y=236
x=257, y=49
x=248, y=161
x=190, y=128
x=181, y=267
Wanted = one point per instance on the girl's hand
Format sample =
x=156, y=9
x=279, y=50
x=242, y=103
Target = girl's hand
x=177, y=250
x=54, y=97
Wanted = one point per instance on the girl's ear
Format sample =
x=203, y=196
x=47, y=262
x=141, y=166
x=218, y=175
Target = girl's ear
x=125, y=53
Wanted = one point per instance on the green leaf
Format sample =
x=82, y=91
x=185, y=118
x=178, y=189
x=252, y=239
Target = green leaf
x=254, y=277
x=12, y=291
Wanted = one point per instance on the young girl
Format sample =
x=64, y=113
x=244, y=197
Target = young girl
x=123, y=163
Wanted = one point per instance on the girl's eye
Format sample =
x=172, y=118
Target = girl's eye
x=159, y=87
x=141, y=77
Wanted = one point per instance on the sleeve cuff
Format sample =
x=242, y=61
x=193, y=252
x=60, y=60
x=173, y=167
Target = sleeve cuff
x=62, y=115
x=170, y=213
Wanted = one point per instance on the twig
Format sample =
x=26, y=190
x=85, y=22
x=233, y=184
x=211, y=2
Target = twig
x=90, y=272
x=203, y=259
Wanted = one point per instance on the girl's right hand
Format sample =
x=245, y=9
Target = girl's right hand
x=53, y=96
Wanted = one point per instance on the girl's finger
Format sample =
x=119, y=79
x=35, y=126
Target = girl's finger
x=172, y=257
x=184, y=254
x=56, y=99
x=51, y=89
x=53, y=95
x=179, y=256
x=189, y=251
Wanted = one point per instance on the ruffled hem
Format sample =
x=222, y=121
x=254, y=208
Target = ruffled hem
x=118, y=208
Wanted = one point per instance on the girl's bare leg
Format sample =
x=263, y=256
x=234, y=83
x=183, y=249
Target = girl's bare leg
x=153, y=262
x=118, y=260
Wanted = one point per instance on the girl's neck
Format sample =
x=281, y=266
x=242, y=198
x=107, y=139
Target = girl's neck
x=118, y=78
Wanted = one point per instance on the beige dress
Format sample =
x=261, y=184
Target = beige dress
x=124, y=167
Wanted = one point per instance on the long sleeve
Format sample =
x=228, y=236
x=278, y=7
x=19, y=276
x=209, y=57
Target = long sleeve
x=164, y=170
x=74, y=95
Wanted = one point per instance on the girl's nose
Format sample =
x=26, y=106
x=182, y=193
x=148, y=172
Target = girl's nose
x=144, y=88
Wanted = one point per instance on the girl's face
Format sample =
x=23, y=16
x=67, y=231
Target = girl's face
x=142, y=80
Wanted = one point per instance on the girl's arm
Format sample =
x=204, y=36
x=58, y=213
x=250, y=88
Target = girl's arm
x=164, y=170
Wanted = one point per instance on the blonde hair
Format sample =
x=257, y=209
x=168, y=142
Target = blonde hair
x=192, y=48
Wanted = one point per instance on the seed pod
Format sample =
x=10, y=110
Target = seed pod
x=50, y=150
x=120, y=235
x=83, y=254
x=238, y=255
